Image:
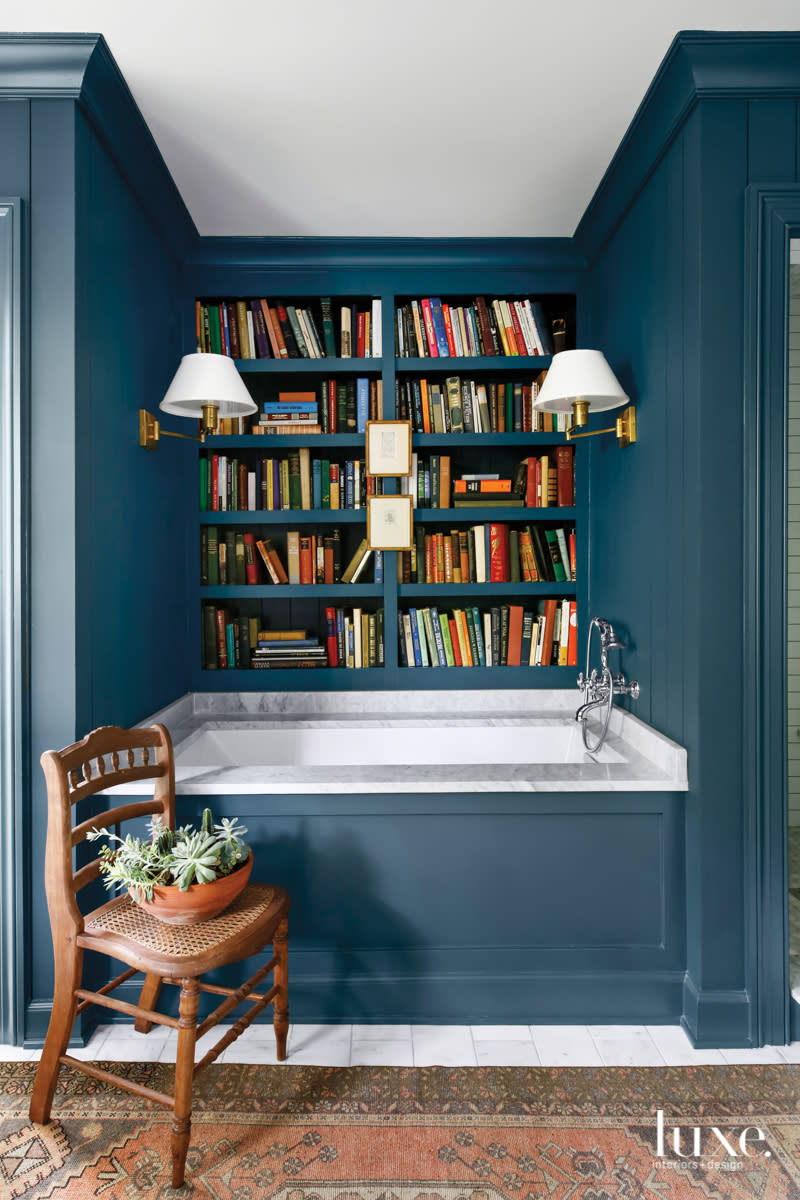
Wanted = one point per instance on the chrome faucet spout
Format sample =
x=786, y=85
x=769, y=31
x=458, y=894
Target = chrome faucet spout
x=599, y=689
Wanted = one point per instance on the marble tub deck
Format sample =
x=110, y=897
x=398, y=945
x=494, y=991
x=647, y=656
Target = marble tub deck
x=647, y=761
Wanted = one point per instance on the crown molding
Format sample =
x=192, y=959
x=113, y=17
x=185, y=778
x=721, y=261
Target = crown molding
x=80, y=67
x=698, y=66
x=310, y=253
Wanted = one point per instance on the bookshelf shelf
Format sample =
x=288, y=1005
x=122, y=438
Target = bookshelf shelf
x=292, y=591
x=310, y=366
x=287, y=516
x=463, y=441
x=484, y=590
x=283, y=441
x=483, y=514
x=268, y=606
x=499, y=363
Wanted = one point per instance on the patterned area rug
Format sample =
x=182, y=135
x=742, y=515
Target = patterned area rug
x=434, y=1133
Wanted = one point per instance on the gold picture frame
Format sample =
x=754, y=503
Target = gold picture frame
x=388, y=449
x=390, y=522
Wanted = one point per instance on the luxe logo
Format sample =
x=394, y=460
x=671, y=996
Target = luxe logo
x=715, y=1139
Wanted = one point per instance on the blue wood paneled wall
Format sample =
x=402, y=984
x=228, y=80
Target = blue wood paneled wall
x=666, y=302
x=113, y=259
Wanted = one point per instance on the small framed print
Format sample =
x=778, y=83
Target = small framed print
x=390, y=522
x=388, y=447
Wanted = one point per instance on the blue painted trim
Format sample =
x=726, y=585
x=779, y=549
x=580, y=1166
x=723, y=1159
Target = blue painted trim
x=291, y=591
x=716, y=1018
x=14, y=614
x=697, y=66
x=81, y=67
x=478, y=513
x=256, y=441
x=772, y=217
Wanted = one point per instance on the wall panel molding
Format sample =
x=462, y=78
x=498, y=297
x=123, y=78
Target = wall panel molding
x=14, y=617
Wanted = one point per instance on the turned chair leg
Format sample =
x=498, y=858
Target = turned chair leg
x=184, y=1075
x=280, y=1011
x=62, y=1019
x=148, y=998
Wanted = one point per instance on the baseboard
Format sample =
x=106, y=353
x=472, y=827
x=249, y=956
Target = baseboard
x=717, y=1018
x=607, y=998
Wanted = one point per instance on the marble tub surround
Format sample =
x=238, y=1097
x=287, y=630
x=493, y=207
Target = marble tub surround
x=635, y=757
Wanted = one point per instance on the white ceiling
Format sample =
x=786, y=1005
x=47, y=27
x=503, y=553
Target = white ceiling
x=390, y=117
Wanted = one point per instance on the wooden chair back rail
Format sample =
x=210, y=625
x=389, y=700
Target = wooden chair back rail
x=81, y=788
x=127, y=1085
x=234, y=999
x=109, y=987
x=115, y=816
x=130, y=1010
x=236, y=1030
x=86, y=874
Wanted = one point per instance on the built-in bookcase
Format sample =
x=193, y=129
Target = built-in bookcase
x=305, y=606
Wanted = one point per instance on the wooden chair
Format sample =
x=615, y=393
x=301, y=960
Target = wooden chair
x=172, y=954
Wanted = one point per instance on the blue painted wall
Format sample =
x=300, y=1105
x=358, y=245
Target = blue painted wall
x=107, y=235
x=666, y=303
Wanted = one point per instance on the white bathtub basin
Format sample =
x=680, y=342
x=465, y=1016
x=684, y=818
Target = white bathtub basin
x=367, y=745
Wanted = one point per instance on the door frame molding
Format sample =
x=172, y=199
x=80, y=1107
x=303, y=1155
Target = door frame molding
x=772, y=218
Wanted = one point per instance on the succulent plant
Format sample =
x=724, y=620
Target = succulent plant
x=183, y=856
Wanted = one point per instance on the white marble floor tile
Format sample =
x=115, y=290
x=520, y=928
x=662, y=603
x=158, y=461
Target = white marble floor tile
x=500, y=1033
x=320, y=1045
x=17, y=1054
x=762, y=1054
x=379, y=1033
x=677, y=1051
x=443, y=1045
x=391, y=1052
x=565, y=1046
x=147, y=1047
x=625, y=1046
x=507, y=1053
x=94, y=1047
x=790, y=1053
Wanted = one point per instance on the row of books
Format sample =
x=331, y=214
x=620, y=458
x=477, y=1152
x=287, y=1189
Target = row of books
x=259, y=328
x=460, y=405
x=538, y=481
x=507, y=635
x=342, y=406
x=234, y=558
x=492, y=553
x=432, y=328
x=293, y=481
x=353, y=638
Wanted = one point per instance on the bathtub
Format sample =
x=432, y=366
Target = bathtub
x=336, y=742
x=454, y=857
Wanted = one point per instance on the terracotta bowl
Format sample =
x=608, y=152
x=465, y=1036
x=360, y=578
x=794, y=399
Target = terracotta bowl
x=200, y=901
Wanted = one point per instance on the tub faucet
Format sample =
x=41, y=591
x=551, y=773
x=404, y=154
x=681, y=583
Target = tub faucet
x=600, y=689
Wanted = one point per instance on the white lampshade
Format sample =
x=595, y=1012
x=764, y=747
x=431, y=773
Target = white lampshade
x=580, y=375
x=207, y=379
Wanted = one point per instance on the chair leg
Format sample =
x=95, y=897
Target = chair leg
x=280, y=1011
x=184, y=1074
x=69, y=966
x=148, y=998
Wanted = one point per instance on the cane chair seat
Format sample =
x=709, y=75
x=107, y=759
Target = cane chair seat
x=126, y=931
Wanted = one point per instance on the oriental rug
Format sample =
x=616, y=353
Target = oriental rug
x=395, y=1133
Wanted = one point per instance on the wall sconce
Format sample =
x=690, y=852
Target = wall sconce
x=205, y=386
x=580, y=382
